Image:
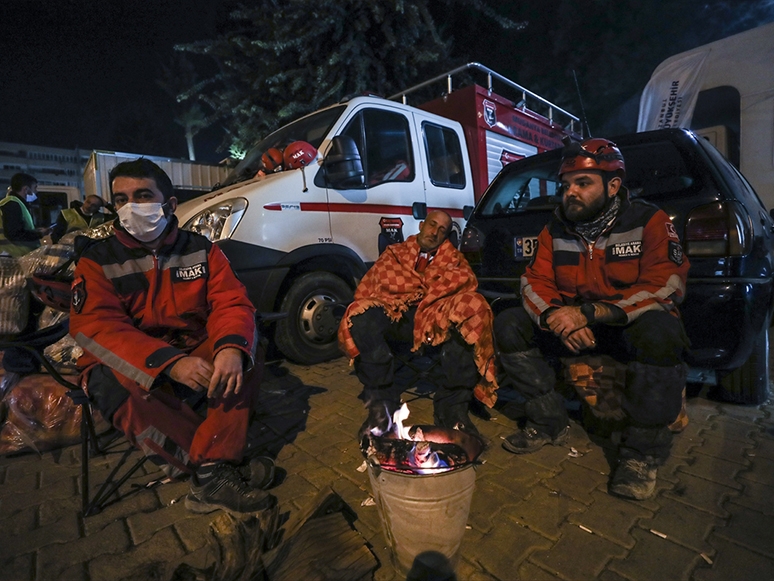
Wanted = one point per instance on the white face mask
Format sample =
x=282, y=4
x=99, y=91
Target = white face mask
x=31, y=197
x=145, y=222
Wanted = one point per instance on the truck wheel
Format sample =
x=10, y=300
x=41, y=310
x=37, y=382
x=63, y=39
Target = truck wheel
x=315, y=305
x=749, y=384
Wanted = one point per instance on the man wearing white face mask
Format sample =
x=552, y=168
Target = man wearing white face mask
x=161, y=315
x=19, y=235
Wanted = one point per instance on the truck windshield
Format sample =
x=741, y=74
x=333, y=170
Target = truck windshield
x=312, y=129
x=533, y=188
x=654, y=170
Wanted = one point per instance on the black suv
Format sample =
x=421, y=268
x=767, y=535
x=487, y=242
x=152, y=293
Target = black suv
x=725, y=229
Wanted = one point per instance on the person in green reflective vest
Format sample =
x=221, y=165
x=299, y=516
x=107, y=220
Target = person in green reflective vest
x=87, y=216
x=18, y=234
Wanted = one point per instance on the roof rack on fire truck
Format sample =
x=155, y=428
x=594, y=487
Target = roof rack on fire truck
x=490, y=74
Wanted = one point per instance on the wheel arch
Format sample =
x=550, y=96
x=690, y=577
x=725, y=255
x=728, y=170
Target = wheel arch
x=333, y=258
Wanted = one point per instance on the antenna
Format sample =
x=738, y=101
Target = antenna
x=583, y=109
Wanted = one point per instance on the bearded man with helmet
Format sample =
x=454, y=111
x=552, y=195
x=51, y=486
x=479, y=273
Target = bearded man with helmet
x=607, y=277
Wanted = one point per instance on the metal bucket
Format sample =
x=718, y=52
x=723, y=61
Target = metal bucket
x=423, y=512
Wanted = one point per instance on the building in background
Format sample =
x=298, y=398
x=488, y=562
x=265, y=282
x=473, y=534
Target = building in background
x=52, y=166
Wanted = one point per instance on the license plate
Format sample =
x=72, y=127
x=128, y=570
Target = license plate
x=524, y=247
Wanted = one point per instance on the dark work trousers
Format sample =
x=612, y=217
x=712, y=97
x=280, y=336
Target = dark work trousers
x=652, y=346
x=21, y=361
x=373, y=332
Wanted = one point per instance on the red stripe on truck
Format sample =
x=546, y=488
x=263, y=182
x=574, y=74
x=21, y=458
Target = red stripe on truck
x=360, y=209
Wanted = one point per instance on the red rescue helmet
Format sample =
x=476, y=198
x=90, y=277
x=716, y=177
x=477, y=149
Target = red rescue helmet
x=53, y=291
x=272, y=159
x=594, y=154
x=298, y=154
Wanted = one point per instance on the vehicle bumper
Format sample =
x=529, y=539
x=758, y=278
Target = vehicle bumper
x=740, y=310
x=256, y=267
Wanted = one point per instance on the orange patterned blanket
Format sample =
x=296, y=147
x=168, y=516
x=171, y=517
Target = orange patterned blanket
x=445, y=295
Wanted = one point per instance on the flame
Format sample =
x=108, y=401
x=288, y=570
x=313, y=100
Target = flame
x=425, y=459
x=422, y=458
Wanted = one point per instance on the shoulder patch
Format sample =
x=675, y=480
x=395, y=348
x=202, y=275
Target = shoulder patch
x=79, y=294
x=676, y=253
x=671, y=231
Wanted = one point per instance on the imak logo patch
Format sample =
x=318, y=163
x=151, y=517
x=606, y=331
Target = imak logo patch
x=671, y=232
x=675, y=253
x=79, y=294
x=490, y=113
x=626, y=249
x=189, y=273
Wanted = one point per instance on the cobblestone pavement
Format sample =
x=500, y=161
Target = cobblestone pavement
x=542, y=516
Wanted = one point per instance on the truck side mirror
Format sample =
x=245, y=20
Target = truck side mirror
x=343, y=165
x=467, y=212
x=419, y=210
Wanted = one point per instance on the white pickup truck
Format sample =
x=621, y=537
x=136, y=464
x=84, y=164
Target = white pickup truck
x=300, y=239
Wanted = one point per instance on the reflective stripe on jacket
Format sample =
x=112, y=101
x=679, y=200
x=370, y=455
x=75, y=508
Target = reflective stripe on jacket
x=17, y=247
x=637, y=265
x=137, y=311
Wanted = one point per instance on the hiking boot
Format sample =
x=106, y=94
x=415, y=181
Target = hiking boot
x=529, y=440
x=634, y=479
x=259, y=472
x=226, y=490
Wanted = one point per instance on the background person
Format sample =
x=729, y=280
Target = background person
x=160, y=315
x=86, y=216
x=19, y=235
x=607, y=277
x=421, y=292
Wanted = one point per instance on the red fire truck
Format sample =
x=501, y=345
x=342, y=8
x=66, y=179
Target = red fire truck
x=364, y=176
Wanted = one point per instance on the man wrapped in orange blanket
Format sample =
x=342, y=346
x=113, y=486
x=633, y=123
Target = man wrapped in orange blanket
x=422, y=292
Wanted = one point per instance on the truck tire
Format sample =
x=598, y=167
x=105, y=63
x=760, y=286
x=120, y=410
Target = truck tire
x=749, y=384
x=315, y=304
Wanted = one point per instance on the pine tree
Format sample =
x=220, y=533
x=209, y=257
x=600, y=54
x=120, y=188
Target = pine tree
x=280, y=60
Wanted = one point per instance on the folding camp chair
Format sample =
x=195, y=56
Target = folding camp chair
x=33, y=343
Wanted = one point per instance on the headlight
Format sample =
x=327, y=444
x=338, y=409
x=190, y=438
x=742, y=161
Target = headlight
x=218, y=222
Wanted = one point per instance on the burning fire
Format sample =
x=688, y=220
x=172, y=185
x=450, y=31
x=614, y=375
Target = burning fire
x=420, y=449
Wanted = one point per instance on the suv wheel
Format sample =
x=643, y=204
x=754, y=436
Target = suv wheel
x=315, y=305
x=749, y=384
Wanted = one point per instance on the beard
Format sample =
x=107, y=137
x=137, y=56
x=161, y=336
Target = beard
x=577, y=211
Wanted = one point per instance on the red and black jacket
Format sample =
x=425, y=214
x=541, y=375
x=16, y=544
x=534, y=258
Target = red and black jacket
x=137, y=311
x=637, y=264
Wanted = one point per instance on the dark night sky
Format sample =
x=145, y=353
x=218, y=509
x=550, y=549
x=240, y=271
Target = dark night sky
x=70, y=67
x=73, y=69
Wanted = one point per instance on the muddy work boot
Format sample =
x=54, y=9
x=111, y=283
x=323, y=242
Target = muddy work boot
x=547, y=423
x=221, y=486
x=634, y=479
x=258, y=472
x=528, y=440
